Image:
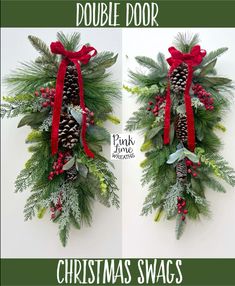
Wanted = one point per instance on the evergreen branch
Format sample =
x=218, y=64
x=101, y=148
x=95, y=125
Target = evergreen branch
x=70, y=42
x=147, y=63
x=180, y=226
x=139, y=120
x=185, y=41
x=42, y=48
x=212, y=56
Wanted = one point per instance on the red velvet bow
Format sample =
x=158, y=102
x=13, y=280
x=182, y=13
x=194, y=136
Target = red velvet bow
x=83, y=56
x=192, y=59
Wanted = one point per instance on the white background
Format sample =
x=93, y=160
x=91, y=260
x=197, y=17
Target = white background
x=38, y=238
x=115, y=233
x=142, y=237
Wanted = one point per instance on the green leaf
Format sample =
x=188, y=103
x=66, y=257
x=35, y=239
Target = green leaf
x=113, y=119
x=41, y=212
x=152, y=132
x=172, y=132
x=147, y=62
x=82, y=169
x=208, y=68
x=213, y=81
x=69, y=164
x=33, y=119
x=191, y=156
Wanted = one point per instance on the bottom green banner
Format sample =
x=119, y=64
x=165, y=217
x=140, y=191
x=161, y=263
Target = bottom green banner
x=117, y=272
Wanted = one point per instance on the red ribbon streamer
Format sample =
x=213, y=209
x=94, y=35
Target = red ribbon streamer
x=83, y=56
x=192, y=59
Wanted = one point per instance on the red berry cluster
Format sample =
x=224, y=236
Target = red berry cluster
x=192, y=167
x=58, y=164
x=48, y=94
x=181, y=205
x=56, y=209
x=90, y=117
x=155, y=108
x=204, y=96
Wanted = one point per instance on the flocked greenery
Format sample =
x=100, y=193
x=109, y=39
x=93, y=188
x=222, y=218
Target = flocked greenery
x=161, y=178
x=95, y=180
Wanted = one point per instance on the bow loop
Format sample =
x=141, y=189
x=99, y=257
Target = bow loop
x=57, y=48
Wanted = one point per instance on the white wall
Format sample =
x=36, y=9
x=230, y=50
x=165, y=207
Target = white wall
x=38, y=238
x=142, y=237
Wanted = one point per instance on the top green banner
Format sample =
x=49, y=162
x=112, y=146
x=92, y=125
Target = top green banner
x=162, y=13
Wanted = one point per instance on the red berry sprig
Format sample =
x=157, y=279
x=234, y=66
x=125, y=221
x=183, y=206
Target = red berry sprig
x=192, y=167
x=58, y=164
x=181, y=206
x=204, y=96
x=48, y=94
x=155, y=108
x=57, y=209
x=90, y=117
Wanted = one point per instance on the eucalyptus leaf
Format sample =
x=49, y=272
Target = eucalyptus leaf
x=77, y=115
x=175, y=156
x=69, y=164
x=181, y=109
x=82, y=169
x=181, y=154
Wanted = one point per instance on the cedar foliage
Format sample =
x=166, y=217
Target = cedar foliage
x=95, y=180
x=161, y=177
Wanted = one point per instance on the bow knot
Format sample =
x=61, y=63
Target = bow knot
x=83, y=56
x=193, y=58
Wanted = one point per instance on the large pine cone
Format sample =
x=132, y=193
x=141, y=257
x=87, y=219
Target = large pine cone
x=181, y=129
x=71, y=88
x=69, y=131
x=178, y=78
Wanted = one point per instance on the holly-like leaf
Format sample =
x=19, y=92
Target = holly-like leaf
x=69, y=164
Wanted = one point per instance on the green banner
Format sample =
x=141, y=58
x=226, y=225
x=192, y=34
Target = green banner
x=162, y=13
x=117, y=272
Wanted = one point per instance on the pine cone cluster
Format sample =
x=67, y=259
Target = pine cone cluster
x=71, y=88
x=69, y=131
x=181, y=129
x=178, y=78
